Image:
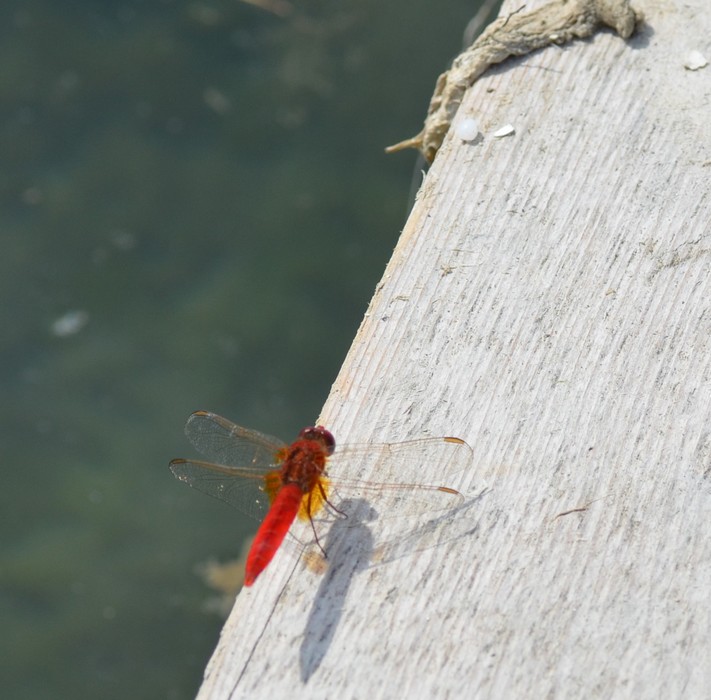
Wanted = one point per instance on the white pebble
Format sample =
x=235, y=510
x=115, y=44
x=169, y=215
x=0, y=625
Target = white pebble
x=467, y=129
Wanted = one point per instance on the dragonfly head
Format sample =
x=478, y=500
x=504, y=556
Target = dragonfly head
x=321, y=435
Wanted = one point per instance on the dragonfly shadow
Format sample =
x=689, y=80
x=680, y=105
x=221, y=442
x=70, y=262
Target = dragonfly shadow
x=436, y=532
x=349, y=547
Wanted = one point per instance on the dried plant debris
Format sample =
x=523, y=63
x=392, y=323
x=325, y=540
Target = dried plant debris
x=514, y=35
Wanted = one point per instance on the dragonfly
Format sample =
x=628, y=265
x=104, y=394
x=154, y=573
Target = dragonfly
x=279, y=483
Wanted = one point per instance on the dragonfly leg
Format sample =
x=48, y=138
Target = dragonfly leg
x=311, y=520
x=318, y=542
x=329, y=504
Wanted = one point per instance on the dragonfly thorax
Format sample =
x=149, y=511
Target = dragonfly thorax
x=304, y=464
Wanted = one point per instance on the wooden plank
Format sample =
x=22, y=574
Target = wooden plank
x=550, y=302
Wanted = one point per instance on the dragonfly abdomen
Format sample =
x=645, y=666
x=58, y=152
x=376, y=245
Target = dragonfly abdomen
x=272, y=531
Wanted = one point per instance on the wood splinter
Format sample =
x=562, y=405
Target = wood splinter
x=516, y=34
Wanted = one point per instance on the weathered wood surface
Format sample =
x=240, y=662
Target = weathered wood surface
x=550, y=302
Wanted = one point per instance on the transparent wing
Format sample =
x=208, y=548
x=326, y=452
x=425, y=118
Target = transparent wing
x=227, y=443
x=242, y=488
x=243, y=460
x=397, y=475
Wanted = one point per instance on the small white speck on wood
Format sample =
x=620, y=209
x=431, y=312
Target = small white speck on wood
x=505, y=130
x=549, y=301
x=695, y=60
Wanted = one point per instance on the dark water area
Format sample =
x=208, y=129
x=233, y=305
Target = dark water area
x=195, y=208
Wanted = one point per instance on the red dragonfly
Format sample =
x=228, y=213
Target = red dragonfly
x=264, y=476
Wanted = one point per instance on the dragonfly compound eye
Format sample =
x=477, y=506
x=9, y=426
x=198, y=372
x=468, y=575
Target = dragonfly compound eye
x=320, y=435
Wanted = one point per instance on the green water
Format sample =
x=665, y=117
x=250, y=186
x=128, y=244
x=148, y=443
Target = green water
x=195, y=208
